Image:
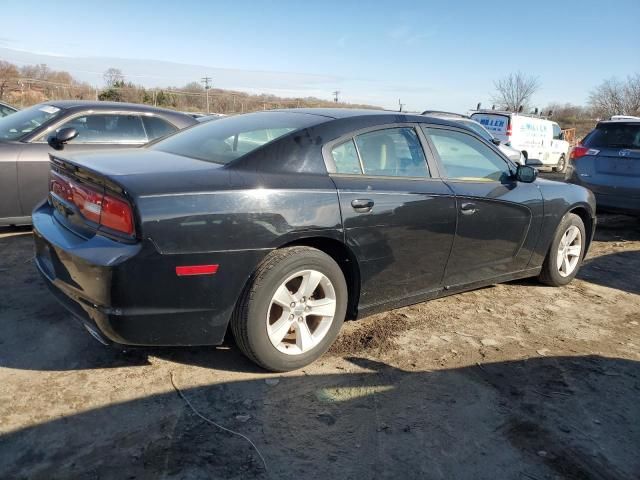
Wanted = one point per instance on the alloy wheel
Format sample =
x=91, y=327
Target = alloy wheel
x=301, y=312
x=569, y=251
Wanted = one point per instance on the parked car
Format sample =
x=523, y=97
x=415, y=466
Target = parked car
x=541, y=141
x=513, y=154
x=24, y=151
x=6, y=109
x=607, y=162
x=282, y=223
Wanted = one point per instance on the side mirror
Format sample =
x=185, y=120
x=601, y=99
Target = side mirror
x=495, y=141
x=57, y=140
x=526, y=174
x=561, y=137
x=508, y=144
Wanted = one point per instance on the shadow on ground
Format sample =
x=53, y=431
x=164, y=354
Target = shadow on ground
x=620, y=270
x=615, y=228
x=562, y=417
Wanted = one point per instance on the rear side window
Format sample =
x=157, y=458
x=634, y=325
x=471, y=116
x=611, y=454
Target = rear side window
x=614, y=135
x=4, y=111
x=107, y=128
x=392, y=152
x=229, y=138
x=346, y=158
x=157, y=127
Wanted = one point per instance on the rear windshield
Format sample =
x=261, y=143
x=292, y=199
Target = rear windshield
x=496, y=124
x=614, y=135
x=479, y=129
x=23, y=122
x=229, y=138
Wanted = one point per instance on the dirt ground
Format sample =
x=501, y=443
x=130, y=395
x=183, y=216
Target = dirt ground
x=515, y=381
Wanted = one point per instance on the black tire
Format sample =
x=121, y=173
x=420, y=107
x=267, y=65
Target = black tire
x=550, y=274
x=562, y=164
x=248, y=322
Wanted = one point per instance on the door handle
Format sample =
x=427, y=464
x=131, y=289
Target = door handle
x=362, y=205
x=468, y=208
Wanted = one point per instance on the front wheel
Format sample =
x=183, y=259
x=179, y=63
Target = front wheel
x=566, y=252
x=292, y=310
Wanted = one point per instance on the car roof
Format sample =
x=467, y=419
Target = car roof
x=99, y=105
x=346, y=113
x=626, y=121
x=441, y=113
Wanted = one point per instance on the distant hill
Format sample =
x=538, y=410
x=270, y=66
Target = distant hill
x=30, y=84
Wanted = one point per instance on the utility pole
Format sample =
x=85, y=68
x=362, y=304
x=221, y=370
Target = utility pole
x=206, y=81
x=335, y=95
x=400, y=105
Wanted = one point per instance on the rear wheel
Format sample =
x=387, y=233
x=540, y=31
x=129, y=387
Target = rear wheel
x=566, y=252
x=292, y=310
x=562, y=164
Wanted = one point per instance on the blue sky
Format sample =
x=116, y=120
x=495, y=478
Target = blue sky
x=437, y=55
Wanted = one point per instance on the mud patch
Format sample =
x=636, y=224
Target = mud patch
x=373, y=334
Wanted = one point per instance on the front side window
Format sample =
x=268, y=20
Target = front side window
x=392, y=152
x=465, y=158
x=23, y=122
x=107, y=128
x=557, y=131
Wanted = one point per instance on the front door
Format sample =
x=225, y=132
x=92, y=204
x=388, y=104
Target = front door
x=398, y=218
x=498, y=217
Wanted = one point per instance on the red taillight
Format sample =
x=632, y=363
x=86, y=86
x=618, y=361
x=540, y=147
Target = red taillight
x=186, y=271
x=579, y=151
x=95, y=206
x=509, y=131
x=117, y=215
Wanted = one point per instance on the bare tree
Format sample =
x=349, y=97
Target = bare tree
x=617, y=97
x=632, y=94
x=8, y=73
x=515, y=91
x=112, y=77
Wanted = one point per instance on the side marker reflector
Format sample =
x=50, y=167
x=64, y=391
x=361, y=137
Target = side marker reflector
x=189, y=270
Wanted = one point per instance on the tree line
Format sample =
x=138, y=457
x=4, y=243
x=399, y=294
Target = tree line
x=31, y=84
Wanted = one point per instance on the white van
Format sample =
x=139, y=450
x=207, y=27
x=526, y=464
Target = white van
x=540, y=140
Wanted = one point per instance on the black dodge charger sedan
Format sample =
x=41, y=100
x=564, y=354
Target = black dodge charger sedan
x=89, y=125
x=282, y=224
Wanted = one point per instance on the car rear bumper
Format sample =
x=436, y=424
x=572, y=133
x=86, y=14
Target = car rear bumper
x=618, y=203
x=609, y=199
x=130, y=294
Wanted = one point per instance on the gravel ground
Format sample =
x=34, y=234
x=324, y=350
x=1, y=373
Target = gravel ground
x=515, y=381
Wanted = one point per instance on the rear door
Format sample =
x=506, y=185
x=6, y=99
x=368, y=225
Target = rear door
x=498, y=217
x=399, y=217
x=96, y=131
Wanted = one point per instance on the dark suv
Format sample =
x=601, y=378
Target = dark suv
x=607, y=162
